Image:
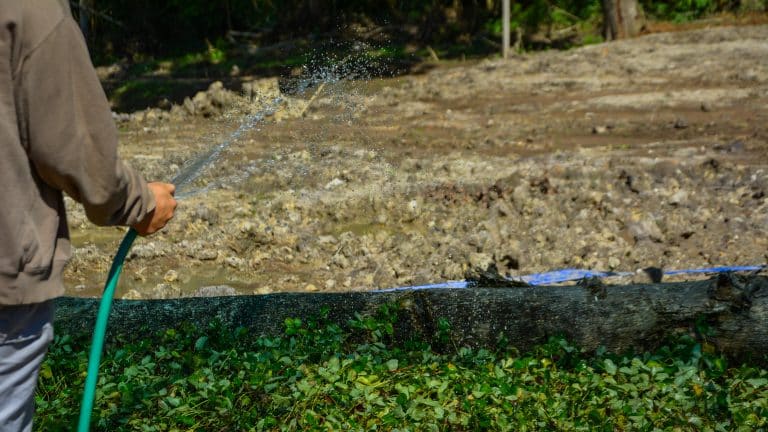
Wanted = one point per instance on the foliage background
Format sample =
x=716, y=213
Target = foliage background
x=118, y=28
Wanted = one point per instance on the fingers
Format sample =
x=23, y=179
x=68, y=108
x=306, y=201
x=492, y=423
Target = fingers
x=170, y=187
x=165, y=206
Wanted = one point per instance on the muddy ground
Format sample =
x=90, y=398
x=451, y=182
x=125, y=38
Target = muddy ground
x=618, y=156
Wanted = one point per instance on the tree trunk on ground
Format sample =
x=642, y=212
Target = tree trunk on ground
x=617, y=317
x=622, y=19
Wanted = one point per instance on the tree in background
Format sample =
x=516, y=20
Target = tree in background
x=622, y=19
x=124, y=28
x=84, y=10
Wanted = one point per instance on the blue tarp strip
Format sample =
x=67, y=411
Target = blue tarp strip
x=717, y=270
x=569, y=275
x=451, y=284
x=566, y=275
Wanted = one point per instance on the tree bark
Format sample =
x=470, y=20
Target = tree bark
x=622, y=19
x=617, y=317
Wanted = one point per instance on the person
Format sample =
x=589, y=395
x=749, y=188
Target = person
x=56, y=135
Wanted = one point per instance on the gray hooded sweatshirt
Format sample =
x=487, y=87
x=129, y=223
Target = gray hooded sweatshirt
x=56, y=135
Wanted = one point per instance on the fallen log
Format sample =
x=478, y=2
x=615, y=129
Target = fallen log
x=590, y=315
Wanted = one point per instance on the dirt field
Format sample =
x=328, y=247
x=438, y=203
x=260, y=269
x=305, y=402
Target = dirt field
x=619, y=156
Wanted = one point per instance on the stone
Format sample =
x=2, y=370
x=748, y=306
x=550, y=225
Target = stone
x=145, y=250
x=645, y=229
x=263, y=290
x=333, y=184
x=165, y=291
x=235, y=262
x=480, y=261
x=206, y=254
x=678, y=198
x=132, y=294
x=215, y=291
x=171, y=276
x=205, y=214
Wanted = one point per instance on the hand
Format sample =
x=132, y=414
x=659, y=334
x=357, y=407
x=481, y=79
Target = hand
x=165, y=205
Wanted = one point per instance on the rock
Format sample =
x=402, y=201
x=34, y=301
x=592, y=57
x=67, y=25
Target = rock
x=326, y=239
x=263, y=290
x=294, y=216
x=645, y=229
x=503, y=209
x=201, y=104
x=333, y=184
x=150, y=115
x=189, y=106
x=215, y=291
x=165, y=104
x=210, y=102
x=132, y=294
x=735, y=146
x=678, y=198
x=258, y=257
x=178, y=112
x=310, y=288
x=205, y=214
x=413, y=206
x=219, y=96
x=247, y=227
x=340, y=261
x=521, y=195
x=171, y=276
x=479, y=260
x=262, y=90
x=145, y=250
x=165, y=291
x=206, y=254
x=235, y=262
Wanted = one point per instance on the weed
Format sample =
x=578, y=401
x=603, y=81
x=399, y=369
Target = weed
x=321, y=376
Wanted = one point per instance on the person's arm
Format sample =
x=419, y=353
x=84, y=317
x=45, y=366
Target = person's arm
x=67, y=124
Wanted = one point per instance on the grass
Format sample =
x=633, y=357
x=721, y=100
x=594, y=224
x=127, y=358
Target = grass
x=321, y=376
x=139, y=94
x=149, y=80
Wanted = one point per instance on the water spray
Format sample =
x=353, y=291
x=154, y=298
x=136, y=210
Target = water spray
x=338, y=72
x=183, y=179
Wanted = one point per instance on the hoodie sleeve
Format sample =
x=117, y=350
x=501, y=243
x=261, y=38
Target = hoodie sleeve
x=71, y=138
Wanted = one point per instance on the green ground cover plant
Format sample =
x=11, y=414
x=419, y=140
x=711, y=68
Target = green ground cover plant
x=685, y=10
x=363, y=376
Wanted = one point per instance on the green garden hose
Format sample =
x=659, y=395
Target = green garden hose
x=185, y=177
x=89, y=395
